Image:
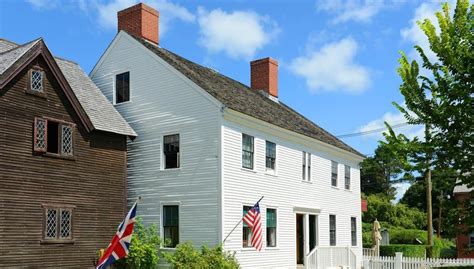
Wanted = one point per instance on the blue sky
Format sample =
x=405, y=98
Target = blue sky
x=337, y=59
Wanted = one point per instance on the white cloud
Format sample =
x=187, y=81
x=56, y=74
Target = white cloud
x=415, y=35
x=239, y=34
x=332, y=68
x=393, y=119
x=107, y=12
x=351, y=10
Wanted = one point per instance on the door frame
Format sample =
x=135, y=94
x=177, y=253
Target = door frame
x=305, y=212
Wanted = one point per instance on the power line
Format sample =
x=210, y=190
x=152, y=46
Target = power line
x=373, y=130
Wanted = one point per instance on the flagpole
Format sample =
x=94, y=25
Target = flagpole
x=235, y=227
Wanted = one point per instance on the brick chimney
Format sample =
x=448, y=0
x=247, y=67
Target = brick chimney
x=264, y=75
x=141, y=21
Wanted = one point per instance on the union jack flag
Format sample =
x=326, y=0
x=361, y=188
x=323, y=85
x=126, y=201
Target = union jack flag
x=118, y=248
x=253, y=220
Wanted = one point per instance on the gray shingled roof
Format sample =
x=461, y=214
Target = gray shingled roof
x=241, y=98
x=100, y=111
x=9, y=54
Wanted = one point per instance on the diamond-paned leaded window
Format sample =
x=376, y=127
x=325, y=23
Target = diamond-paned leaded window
x=36, y=81
x=51, y=223
x=40, y=139
x=58, y=223
x=65, y=224
x=66, y=140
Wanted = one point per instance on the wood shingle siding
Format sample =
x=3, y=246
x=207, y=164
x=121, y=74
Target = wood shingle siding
x=93, y=181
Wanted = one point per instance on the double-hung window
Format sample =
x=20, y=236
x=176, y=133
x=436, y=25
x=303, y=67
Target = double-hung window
x=306, y=166
x=57, y=226
x=271, y=227
x=122, y=87
x=171, y=151
x=354, y=231
x=347, y=177
x=333, y=173
x=54, y=137
x=332, y=230
x=270, y=155
x=247, y=151
x=171, y=225
x=246, y=231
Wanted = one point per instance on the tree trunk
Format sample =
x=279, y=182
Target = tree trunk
x=429, y=207
x=439, y=214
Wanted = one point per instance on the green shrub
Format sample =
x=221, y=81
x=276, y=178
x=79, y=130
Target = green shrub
x=187, y=256
x=417, y=251
x=143, y=248
x=443, y=248
x=407, y=236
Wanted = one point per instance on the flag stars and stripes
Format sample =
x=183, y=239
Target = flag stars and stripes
x=253, y=220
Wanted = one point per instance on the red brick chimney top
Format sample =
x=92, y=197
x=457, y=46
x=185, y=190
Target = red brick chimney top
x=264, y=75
x=141, y=21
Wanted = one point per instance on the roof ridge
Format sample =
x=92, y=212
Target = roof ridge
x=19, y=46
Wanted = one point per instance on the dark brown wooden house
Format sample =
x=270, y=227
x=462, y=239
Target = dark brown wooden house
x=62, y=161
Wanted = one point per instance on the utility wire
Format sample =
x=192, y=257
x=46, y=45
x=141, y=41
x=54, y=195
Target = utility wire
x=373, y=130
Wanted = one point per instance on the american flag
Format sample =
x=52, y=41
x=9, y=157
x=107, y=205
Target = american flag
x=253, y=220
x=118, y=248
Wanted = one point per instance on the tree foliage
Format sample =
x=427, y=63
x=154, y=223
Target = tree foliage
x=187, y=256
x=379, y=172
x=443, y=99
x=397, y=215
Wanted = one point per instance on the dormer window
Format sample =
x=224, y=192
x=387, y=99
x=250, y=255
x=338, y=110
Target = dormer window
x=36, y=80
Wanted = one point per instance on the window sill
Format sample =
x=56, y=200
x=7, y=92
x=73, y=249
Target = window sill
x=36, y=93
x=306, y=181
x=122, y=103
x=170, y=169
x=45, y=241
x=272, y=248
x=348, y=190
x=271, y=173
x=247, y=249
x=58, y=156
x=336, y=188
x=248, y=170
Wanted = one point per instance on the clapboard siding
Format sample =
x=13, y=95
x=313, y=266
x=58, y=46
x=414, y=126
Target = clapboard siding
x=94, y=182
x=284, y=191
x=163, y=102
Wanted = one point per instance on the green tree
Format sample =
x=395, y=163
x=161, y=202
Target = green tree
x=379, y=172
x=442, y=101
x=187, y=256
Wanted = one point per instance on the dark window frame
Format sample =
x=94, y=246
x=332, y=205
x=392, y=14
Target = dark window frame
x=168, y=154
x=334, y=175
x=270, y=230
x=120, y=96
x=332, y=230
x=270, y=161
x=59, y=139
x=347, y=177
x=353, y=231
x=174, y=228
x=29, y=88
x=250, y=152
x=246, y=231
x=59, y=208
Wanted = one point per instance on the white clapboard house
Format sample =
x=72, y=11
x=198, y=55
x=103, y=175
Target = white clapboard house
x=209, y=147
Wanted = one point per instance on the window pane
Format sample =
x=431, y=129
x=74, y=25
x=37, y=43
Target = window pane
x=270, y=155
x=304, y=166
x=332, y=230
x=51, y=223
x=171, y=150
x=65, y=224
x=347, y=176
x=66, y=140
x=271, y=227
x=171, y=225
x=246, y=233
x=40, y=135
x=122, y=87
x=354, y=231
x=309, y=166
x=271, y=218
x=271, y=237
x=334, y=173
x=36, y=83
x=312, y=232
x=247, y=151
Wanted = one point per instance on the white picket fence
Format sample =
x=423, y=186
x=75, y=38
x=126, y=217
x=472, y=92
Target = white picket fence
x=325, y=257
x=400, y=262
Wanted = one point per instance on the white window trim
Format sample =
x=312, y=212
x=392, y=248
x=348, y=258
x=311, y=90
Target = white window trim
x=329, y=230
x=162, y=152
x=254, y=164
x=350, y=178
x=308, y=174
x=277, y=228
x=268, y=171
x=114, y=94
x=162, y=230
x=337, y=176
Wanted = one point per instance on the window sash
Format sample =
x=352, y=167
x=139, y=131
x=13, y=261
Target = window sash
x=332, y=230
x=36, y=81
x=58, y=224
x=247, y=151
x=271, y=218
x=334, y=173
x=309, y=167
x=347, y=177
x=304, y=166
x=122, y=87
x=40, y=140
x=67, y=140
x=270, y=155
x=171, y=225
x=246, y=231
x=354, y=231
x=312, y=232
x=171, y=151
